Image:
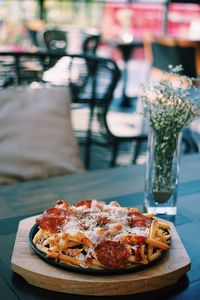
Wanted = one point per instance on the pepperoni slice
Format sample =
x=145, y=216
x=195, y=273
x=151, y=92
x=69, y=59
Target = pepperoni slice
x=53, y=219
x=132, y=239
x=137, y=219
x=86, y=203
x=91, y=203
x=112, y=254
x=63, y=205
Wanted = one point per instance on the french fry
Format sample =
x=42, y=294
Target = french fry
x=149, y=251
x=164, y=225
x=142, y=253
x=38, y=236
x=42, y=248
x=69, y=259
x=157, y=244
x=95, y=263
x=153, y=229
x=155, y=255
x=148, y=215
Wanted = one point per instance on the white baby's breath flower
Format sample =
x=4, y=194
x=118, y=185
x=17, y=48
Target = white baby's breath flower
x=168, y=108
x=173, y=103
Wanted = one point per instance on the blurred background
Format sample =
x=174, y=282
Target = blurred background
x=120, y=27
x=176, y=18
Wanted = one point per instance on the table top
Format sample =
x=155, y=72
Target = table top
x=124, y=184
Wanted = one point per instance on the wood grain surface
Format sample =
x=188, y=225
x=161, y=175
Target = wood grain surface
x=39, y=273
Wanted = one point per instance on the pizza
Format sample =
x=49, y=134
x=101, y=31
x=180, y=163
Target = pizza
x=96, y=235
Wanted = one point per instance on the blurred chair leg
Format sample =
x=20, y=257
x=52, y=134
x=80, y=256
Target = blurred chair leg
x=88, y=150
x=89, y=138
x=115, y=150
x=136, y=151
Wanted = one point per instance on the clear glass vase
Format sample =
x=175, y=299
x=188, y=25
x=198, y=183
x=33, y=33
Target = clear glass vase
x=162, y=172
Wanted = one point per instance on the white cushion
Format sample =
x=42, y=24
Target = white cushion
x=36, y=137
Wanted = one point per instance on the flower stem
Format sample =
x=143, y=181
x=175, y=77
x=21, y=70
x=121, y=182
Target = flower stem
x=165, y=146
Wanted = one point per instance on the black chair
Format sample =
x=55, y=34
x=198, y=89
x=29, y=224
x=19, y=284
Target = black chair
x=92, y=81
x=17, y=69
x=21, y=68
x=95, y=84
x=91, y=43
x=54, y=40
x=163, y=51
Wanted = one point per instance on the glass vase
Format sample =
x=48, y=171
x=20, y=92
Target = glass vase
x=162, y=172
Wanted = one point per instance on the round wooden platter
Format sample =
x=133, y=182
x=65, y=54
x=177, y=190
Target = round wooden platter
x=39, y=273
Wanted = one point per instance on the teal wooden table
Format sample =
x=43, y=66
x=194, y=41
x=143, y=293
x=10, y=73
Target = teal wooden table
x=125, y=185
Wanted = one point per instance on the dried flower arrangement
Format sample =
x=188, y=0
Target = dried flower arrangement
x=168, y=108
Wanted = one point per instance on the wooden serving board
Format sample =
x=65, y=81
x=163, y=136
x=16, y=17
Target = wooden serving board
x=39, y=273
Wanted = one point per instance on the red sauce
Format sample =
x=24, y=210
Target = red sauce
x=87, y=203
x=134, y=239
x=136, y=219
x=63, y=205
x=137, y=254
x=83, y=225
x=102, y=220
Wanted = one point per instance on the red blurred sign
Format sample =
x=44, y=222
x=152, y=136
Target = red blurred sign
x=180, y=18
x=132, y=18
x=137, y=18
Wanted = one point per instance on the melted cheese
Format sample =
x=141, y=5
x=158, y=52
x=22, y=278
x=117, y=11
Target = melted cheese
x=72, y=226
x=113, y=220
x=94, y=236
